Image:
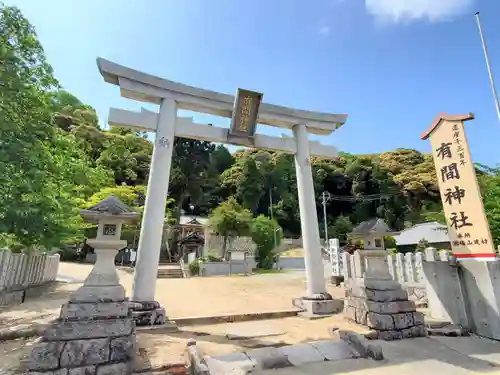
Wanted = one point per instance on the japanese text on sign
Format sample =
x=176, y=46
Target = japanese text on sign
x=245, y=113
x=462, y=203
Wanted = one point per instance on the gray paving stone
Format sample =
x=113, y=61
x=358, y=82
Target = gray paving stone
x=301, y=354
x=268, y=358
x=334, y=350
x=233, y=363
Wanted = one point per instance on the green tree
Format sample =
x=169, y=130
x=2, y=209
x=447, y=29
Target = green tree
x=489, y=182
x=341, y=228
x=230, y=219
x=43, y=174
x=267, y=235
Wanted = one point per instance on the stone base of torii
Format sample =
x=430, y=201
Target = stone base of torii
x=171, y=96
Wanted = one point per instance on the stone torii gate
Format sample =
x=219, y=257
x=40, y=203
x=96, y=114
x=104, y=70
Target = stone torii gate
x=246, y=111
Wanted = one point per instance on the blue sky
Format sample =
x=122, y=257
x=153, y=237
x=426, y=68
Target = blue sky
x=391, y=65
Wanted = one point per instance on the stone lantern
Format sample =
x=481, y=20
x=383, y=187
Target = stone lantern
x=95, y=333
x=109, y=215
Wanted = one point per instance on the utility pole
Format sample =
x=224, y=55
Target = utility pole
x=326, y=198
x=488, y=65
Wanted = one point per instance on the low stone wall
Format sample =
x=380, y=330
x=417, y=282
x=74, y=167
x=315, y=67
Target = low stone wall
x=23, y=276
x=225, y=268
x=407, y=269
x=292, y=263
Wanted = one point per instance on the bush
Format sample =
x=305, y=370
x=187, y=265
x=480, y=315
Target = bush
x=68, y=255
x=390, y=242
x=194, y=267
x=267, y=234
x=212, y=256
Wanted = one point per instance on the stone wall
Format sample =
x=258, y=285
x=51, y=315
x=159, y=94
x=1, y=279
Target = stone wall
x=214, y=242
x=407, y=269
x=292, y=263
x=226, y=268
x=22, y=276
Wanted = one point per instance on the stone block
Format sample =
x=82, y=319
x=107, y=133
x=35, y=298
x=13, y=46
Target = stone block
x=387, y=295
x=350, y=312
x=149, y=317
x=86, y=370
x=74, y=330
x=45, y=356
x=220, y=365
x=361, y=316
x=379, y=321
x=301, y=354
x=383, y=285
x=123, y=348
x=402, y=321
x=419, y=331
x=353, y=290
x=115, y=369
x=390, y=335
x=322, y=307
x=99, y=294
x=360, y=345
x=61, y=371
x=268, y=358
x=85, y=352
x=418, y=318
x=334, y=350
x=383, y=307
x=411, y=332
x=74, y=311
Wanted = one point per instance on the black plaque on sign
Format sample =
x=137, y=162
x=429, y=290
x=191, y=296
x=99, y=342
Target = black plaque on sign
x=245, y=111
x=109, y=230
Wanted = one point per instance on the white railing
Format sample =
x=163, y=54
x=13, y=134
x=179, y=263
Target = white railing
x=18, y=271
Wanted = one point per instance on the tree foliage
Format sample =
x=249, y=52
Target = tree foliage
x=267, y=235
x=230, y=219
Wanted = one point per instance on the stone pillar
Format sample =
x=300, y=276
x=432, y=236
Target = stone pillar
x=375, y=300
x=308, y=217
x=148, y=254
x=317, y=301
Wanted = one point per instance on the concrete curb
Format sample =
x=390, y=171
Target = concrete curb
x=232, y=318
x=360, y=344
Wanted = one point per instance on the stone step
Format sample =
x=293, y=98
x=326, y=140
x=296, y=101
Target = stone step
x=170, y=273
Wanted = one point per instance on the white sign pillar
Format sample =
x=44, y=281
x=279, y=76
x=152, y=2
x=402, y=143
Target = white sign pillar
x=148, y=254
x=333, y=249
x=315, y=276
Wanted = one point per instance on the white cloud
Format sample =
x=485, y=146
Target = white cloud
x=325, y=30
x=410, y=10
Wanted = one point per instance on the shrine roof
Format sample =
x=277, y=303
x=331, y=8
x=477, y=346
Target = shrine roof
x=373, y=226
x=109, y=206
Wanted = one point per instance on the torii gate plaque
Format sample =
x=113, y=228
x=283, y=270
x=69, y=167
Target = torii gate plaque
x=246, y=110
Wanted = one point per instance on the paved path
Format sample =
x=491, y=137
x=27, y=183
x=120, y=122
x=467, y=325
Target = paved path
x=431, y=355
